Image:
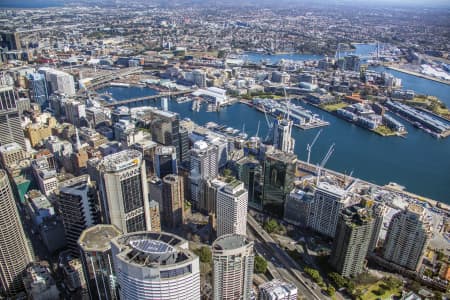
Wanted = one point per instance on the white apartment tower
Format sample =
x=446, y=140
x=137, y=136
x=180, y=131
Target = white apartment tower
x=204, y=166
x=328, y=202
x=231, y=209
x=407, y=237
x=282, y=136
x=124, y=191
x=233, y=260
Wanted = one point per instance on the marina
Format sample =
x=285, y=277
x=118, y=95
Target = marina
x=301, y=117
x=372, y=157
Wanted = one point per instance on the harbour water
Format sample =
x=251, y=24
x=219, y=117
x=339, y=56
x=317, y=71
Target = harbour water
x=257, y=57
x=420, y=85
x=419, y=162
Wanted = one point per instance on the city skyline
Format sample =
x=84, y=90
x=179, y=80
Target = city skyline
x=225, y=149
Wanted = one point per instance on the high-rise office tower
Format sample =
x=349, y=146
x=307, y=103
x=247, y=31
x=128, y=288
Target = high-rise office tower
x=184, y=145
x=10, y=40
x=75, y=112
x=10, y=124
x=173, y=201
x=233, y=261
x=155, y=216
x=78, y=205
x=165, y=161
x=95, y=253
x=353, y=234
x=208, y=203
x=199, y=78
x=328, y=202
x=282, y=135
x=352, y=63
x=59, y=81
x=232, y=202
x=155, y=191
x=279, y=177
x=14, y=252
x=155, y=265
x=38, y=89
x=165, y=128
x=407, y=237
x=203, y=167
x=298, y=208
x=221, y=144
x=123, y=189
x=379, y=210
x=250, y=172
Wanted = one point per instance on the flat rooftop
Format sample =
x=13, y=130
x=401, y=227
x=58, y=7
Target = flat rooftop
x=152, y=249
x=331, y=189
x=121, y=160
x=98, y=237
x=230, y=242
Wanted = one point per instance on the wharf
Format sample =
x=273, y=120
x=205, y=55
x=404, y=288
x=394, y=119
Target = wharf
x=314, y=123
x=312, y=169
x=398, y=69
x=399, y=134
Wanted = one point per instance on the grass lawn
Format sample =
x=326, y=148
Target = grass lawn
x=334, y=107
x=205, y=53
x=384, y=130
x=370, y=291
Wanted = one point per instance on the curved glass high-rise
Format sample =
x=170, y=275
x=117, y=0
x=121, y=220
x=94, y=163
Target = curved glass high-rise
x=155, y=265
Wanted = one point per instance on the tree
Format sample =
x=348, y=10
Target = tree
x=331, y=290
x=260, y=264
x=428, y=273
x=227, y=173
x=205, y=254
x=314, y=274
x=271, y=226
x=338, y=280
x=392, y=282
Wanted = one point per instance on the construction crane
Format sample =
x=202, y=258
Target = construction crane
x=309, y=146
x=324, y=161
x=269, y=124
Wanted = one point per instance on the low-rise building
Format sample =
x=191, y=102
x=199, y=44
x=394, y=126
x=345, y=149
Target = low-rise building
x=277, y=290
x=39, y=283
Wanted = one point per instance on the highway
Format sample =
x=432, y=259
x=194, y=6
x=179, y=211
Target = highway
x=280, y=264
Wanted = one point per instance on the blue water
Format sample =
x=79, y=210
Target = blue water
x=360, y=49
x=30, y=3
x=273, y=59
x=420, y=85
x=419, y=162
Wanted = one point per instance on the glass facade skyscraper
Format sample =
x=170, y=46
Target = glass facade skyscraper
x=279, y=177
x=38, y=88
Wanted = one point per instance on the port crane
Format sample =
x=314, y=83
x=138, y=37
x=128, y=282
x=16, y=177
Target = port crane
x=309, y=146
x=324, y=161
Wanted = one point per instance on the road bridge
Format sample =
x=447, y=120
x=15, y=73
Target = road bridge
x=143, y=101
